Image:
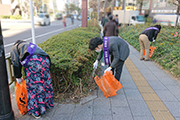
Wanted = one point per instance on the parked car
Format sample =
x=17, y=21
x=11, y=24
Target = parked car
x=42, y=19
x=79, y=17
x=58, y=16
x=75, y=16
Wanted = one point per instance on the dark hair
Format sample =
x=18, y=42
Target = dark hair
x=94, y=42
x=116, y=15
x=158, y=26
x=110, y=17
x=18, y=41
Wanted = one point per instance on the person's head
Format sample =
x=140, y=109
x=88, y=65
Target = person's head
x=96, y=44
x=110, y=17
x=158, y=26
x=116, y=15
x=18, y=41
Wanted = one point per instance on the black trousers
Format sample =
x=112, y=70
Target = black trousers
x=118, y=69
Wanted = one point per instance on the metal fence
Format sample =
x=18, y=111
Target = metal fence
x=10, y=70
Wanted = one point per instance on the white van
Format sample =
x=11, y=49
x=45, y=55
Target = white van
x=166, y=19
x=42, y=19
x=131, y=17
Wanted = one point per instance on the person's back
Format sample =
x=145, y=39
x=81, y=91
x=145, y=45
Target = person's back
x=105, y=20
x=110, y=28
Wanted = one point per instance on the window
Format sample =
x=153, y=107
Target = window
x=161, y=0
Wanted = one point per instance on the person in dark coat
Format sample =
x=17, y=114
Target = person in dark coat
x=105, y=20
x=149, y=34
x=116, y=47
x=110, y=27
x=36, y=65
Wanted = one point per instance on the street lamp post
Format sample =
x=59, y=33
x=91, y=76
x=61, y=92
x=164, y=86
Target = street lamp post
x=84, y=13
x=6, y=112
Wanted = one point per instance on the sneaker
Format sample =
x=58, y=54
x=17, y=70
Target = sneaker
x=141, y=58
x=37, y=117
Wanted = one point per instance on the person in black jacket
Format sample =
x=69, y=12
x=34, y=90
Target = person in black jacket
x=149, y=34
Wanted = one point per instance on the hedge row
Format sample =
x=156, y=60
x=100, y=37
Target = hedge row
x=70, y=57
x=10, y=17
x=167, y=52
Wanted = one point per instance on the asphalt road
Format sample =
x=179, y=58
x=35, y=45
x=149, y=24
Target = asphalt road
x=22, y=31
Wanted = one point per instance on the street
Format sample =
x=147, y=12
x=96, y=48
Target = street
x=22, y=31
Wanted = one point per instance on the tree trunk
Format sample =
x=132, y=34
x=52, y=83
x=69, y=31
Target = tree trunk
x=140, y=7
x=178, y=8
x=105, y=6
x=123, y=7
x=113, y=4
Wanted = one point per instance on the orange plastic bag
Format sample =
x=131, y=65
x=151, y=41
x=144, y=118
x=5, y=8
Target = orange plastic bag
x=108, y=84
x=21, y=96
x=151, y=51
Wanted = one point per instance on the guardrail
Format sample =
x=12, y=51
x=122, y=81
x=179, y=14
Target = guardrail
x=10, y=69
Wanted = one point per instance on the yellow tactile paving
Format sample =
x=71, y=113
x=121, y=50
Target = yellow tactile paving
x=154, y=103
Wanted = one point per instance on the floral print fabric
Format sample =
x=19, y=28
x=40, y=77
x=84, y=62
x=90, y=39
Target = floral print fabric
x=39, y=85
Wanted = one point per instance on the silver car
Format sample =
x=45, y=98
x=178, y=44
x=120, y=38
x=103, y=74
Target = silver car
x=42, y=19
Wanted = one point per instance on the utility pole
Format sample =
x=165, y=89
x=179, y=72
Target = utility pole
x=6, y=112
x=98, y=10
x=84, y=13
x=32, y=22
x=150, y=4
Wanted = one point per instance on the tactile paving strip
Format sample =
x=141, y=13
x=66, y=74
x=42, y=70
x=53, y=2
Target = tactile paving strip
x=154, y=103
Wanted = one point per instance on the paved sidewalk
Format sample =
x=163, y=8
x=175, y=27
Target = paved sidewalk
x=148, y=93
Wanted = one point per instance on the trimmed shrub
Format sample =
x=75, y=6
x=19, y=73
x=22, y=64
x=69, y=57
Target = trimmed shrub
x=15, y=17
x=71, y=60
x=5, y=16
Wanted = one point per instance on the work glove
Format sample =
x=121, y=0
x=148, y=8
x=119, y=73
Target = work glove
x=153, y=40
x=108, y=69
x=19, y=80
x=95, y=65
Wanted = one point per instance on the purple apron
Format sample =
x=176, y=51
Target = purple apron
x=106, y=50
x=151, y=28
x=31, y=49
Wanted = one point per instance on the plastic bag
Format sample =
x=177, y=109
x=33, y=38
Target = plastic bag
x=151, y=51
x=21, y=96
x=108, y=84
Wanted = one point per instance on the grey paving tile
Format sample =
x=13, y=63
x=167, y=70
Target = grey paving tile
x=119, y=117
x=121, y=112
x=102, y=102
x=101, y=110
x=139, y=108
x=61, y=117
x=177, y=118
x=104, y=117
x=65, y=109
x=84, y=117
x=165, y=96
x=83, y=110
x=175, y=90
x=129, y=85
x=150, y=77
x=168, y=81
x=174, y=107
x=160, y=74
x=143, y=118
x=119, y=101
x=133, y=95
x=157, y=85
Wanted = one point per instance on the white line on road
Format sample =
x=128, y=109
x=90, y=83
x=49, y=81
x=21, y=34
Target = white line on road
x=38, y=37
